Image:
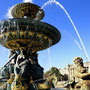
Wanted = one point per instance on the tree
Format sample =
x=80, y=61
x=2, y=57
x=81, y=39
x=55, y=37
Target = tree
x=65, y=77
x=46, y=74
x=54, y=71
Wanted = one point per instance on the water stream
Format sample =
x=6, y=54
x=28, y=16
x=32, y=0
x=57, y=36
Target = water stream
x=57, y=3
x=49, y=54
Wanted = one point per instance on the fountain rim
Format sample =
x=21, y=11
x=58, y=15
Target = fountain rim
x=48, y=30
x=35, y=21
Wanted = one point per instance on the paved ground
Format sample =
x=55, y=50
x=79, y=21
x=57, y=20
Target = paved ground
x=58, y=89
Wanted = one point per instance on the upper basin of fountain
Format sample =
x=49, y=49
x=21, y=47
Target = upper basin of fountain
x=27, y=33
x=27, y=10
x=26, y=30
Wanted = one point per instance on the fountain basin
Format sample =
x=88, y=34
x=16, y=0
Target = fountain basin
x=27, y=33
x=29, y=10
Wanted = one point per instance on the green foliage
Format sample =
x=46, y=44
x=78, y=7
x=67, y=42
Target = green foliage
x=48, y=72
x=65, y=77
x=54, y=71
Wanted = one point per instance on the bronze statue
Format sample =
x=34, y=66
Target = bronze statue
x=7, y=72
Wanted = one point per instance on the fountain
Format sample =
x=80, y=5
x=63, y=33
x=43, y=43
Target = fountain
x=25, y=35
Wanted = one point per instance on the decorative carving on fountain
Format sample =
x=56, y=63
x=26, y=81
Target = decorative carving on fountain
x=27, y=10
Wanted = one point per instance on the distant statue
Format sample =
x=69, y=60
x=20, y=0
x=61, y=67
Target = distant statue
x=82, y=75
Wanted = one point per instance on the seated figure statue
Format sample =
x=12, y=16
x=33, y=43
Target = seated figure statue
x=7, y=71
x=82, y=75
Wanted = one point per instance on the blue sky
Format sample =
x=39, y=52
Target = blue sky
x=61, y=54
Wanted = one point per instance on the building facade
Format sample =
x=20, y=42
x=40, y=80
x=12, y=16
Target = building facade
x=70, y=70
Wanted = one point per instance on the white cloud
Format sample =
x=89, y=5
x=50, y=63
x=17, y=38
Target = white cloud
x=27, y=1
x=8, y=15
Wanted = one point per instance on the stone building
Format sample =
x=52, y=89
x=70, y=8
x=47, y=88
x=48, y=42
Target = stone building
x=87, y=66
x=63, y=71
x=70, y=70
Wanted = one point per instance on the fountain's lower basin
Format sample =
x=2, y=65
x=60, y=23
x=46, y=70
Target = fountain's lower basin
x=27, y=33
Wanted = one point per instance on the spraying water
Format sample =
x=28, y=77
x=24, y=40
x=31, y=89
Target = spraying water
x=75, y=41
x=79, y=47
x=57, y=3
x=49, y=53
x=77, y=44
